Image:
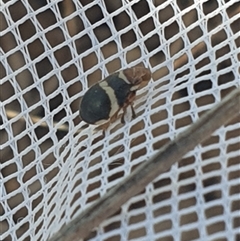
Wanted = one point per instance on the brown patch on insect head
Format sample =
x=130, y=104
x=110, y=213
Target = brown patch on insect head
x=137, y=74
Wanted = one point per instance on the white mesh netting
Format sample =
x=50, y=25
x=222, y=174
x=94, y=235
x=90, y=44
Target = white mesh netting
x=53, y=166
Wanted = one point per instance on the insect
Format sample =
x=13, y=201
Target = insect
x=102, y=102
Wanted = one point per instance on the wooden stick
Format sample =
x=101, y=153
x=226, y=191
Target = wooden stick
x=171, y=153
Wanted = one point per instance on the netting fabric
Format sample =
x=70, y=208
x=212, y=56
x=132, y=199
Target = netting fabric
x=54, y=166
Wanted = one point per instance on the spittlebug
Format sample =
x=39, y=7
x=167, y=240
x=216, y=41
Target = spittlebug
x=102, y=102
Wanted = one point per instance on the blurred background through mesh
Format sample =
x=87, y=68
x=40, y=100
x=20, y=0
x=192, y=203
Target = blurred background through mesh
x=53, y=167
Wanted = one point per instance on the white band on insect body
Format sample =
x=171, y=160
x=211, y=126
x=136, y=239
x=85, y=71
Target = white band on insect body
x=110, y=92
x=134, y=87
x=122, y=76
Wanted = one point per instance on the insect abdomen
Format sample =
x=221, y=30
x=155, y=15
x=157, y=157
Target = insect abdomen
x=95, y=105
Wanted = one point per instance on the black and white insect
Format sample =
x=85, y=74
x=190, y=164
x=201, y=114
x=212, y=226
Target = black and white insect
x=102, y=102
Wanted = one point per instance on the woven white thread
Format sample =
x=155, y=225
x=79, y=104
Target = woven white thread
x=53, y=166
